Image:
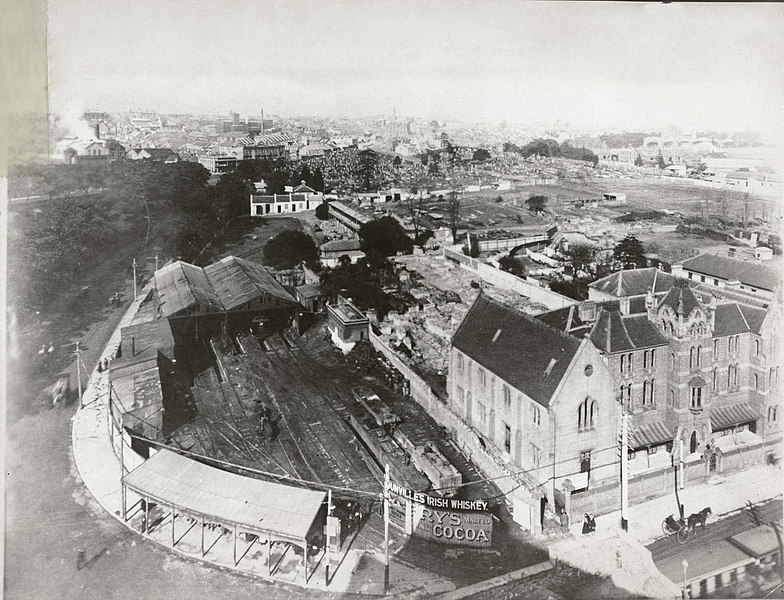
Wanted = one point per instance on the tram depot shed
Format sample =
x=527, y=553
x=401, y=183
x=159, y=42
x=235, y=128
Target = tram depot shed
x=270, y=511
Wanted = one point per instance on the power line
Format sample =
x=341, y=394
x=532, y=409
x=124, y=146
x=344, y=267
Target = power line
x=250, y=469
x=523, y=471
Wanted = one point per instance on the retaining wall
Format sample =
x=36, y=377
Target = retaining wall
x=502, y=279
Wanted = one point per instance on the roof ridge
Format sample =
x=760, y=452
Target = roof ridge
x=743, y=316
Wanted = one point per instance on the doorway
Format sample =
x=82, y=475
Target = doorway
x=693, y=442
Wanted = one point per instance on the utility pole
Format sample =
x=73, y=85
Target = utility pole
x=327, y=554
x=134, y=279
x=156, y=262
x=386, y=527
x=78, y=375
x=625, y=471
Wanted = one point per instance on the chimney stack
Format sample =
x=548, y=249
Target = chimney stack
x=624, y=305
x=586, y=311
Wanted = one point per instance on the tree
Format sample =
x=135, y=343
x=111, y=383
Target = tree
x=638, y=161
x=289, y=248
x=537, y=203
x=384, y=237
x=629, y=252
x=397, y=161
x=511, y=265
x=454, y=213
x=318, y=180
x=322, y=211
x=660, y=160
x=581, y=256
x=481, y=154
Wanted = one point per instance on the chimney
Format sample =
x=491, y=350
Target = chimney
x=586, y=311
x=624, y=305
x=97, y=131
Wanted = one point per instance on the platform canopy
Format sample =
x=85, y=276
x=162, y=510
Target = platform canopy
x=256, y=506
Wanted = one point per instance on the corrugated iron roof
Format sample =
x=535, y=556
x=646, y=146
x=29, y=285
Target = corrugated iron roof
x=723, y=417
x=220, y=286
x=652, y=434
x=222, y=497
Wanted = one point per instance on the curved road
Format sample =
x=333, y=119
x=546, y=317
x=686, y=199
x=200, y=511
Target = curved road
x=50, y=515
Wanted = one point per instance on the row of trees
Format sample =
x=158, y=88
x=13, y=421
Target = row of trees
x=551, y=148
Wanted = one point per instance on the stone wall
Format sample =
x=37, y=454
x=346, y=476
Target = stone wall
x=510, y=282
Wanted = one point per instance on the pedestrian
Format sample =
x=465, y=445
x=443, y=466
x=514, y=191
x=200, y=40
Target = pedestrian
x=591, y=523
x=564, y=520
x=586, y=525
x=100, y=366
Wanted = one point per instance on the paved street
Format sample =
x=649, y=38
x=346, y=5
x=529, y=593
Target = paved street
x=714, y=530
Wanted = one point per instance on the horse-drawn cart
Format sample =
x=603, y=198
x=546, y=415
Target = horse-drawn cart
x=672, y=525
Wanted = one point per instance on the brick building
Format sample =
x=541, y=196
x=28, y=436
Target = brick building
x=694, y=367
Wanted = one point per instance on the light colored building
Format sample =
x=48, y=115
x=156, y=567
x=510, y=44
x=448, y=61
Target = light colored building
x=733, y=273
x=347, y=324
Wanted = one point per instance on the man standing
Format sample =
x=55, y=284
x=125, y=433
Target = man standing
x=564, y=520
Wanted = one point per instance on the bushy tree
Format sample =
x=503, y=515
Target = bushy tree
x=581, y=256
x=629, y=252
x=384, y=237
x=537, y=203
x=289, y=248
x=511, y=265
x=638, y=161
x=481, y=154
x=322, y=211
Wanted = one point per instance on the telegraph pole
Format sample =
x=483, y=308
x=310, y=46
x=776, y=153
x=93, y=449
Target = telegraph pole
x=625, y=472
x=386, y=527
x=78, y=375
x=134, y=279
x=327, y=554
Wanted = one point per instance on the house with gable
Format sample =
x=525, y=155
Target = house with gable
x=542, y=401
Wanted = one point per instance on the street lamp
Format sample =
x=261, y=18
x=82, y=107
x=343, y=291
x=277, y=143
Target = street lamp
x=685, y=564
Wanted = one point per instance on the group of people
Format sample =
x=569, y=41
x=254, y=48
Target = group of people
x=589, y=522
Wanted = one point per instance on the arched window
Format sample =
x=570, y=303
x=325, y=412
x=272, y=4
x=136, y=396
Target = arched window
x=715, y=380
x=756, y=347
x=699, y=352
x=587, y=413
x=691, y=357
x=507, y=396
x=756, y=381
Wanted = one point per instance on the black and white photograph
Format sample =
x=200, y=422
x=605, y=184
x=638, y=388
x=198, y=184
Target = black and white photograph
x=345, y=299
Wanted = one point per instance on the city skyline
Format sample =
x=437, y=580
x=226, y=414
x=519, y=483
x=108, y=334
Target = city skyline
x=619, y=65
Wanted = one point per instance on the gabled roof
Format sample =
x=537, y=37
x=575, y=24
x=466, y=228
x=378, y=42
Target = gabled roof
x=733, y=319
x=519, y=349
x=340, y=246
x=723, y=267
x=681, y=298
x=304, y=189
x=611, y=331
x=220, y=286
x=634, y=282
x=237, y=281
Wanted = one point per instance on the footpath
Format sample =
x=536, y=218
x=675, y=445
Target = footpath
x=358, y=571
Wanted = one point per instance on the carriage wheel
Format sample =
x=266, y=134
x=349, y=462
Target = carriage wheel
x=664, y=527
x=682, y=535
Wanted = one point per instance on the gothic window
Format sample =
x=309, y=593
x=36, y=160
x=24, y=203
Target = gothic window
x=587, y=414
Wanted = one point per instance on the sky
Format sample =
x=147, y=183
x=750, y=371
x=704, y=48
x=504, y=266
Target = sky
x=593, y=65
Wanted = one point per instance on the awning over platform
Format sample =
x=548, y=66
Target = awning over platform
x=652, y=434
x=221, y=497
x=724, y=417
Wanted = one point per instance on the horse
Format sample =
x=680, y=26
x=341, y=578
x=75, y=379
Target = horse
x=699, y=518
